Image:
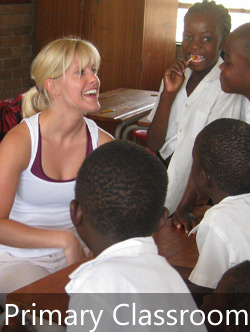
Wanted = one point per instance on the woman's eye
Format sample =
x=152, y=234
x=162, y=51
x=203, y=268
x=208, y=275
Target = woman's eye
x=207, y=39
x=81, y=72
x=94, y=70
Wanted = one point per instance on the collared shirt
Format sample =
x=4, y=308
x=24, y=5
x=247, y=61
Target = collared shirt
x=247, y=118
x=130, y=266
x=223, y=239
x=131, y=276
x=189, y=115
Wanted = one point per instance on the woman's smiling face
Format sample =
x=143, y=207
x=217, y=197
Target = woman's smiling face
x=81, y=86
x=202, y=40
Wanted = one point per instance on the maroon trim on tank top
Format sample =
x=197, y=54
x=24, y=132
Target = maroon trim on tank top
x=37, y=169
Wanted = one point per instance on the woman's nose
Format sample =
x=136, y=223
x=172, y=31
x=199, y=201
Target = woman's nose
x=93, y=77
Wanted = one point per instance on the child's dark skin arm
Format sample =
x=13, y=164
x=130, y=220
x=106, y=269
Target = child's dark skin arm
x=157, y=130
x=173, y=80
x=183, y=215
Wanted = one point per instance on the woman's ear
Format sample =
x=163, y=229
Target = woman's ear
x=162, y=220
x=76, y=213
x=51, y=86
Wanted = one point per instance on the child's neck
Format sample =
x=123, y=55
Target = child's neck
x=218, y=196
x=195, y=78
x=101, y=243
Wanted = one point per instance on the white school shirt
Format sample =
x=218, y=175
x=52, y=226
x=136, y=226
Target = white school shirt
x=247, y=118
x=223, y=239
x=189, y=115
x=130, y=267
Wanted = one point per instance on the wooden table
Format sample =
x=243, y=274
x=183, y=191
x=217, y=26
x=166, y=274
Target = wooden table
x=129, y=106
x=49, y=293
x=144, y=122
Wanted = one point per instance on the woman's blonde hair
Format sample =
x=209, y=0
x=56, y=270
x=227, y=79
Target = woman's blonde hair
x=52, y=62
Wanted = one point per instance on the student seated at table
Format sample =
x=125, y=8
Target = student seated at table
x=191, y=97
x=220, y=171
x=235, y=70
x=120, y=193
x=231, y=293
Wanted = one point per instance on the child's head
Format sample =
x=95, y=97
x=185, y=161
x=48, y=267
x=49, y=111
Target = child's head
x=221, y=156
x=52, y=62
x=120, y=193
x=235, y=71
x=206, y=26
x=231, y=293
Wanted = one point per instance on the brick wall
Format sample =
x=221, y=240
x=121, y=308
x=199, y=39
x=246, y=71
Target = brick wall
x=17, y=25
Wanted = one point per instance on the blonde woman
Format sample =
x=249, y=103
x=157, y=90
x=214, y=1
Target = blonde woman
x=40, y=159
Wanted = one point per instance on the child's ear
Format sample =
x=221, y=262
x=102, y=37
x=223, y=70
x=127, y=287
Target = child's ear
x=207, y=179
x=76, y=213
x=162, y=220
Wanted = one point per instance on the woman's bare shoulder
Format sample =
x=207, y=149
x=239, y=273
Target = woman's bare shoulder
x=104, y=137
x=16, y=146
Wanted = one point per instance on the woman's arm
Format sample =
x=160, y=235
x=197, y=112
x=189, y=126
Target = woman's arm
x=14, y=158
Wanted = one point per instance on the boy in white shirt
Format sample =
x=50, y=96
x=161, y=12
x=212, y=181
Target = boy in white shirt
x=220, y=171
x=235, y=70
x=234, y=79
x=120, y=194
x=190, y=97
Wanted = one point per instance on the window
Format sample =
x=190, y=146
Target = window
x=239, y=11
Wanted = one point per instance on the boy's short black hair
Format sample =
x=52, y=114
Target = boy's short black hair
x=238, y=292
x=243, y=32
x=121, y=188
x=223, y=150
x=240, y=274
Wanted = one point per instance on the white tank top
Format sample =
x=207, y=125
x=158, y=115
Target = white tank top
x=40, y=203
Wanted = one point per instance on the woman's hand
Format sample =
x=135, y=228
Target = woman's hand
x=174, y=76
x=72, y=248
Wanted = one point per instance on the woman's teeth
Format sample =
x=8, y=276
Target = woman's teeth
x=89, y=92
